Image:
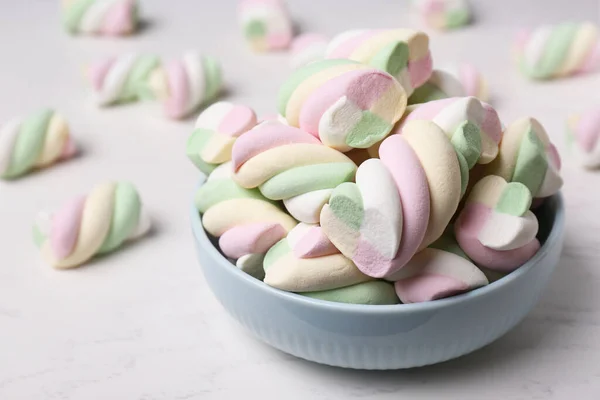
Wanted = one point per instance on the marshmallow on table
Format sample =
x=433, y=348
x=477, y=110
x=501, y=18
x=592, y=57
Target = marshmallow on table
x=36, y=141
x=119, y=79
x=266, y=24
x=526, y=155
x=96, y=224
x=216, y=130
x=246, y=223
x=444, y=14
x=496, y=229
x=185, y=84
x=100, y=17
x=403, y=53
x=583, y=132
x=306, y=261
x=289, y=164
x=400, y=203
x=549, y=52
x=307, y=48
x=344, y=103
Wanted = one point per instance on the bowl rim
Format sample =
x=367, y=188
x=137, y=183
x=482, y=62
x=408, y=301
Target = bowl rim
x=552, y=239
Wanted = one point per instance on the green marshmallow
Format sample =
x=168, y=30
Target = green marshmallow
x=346, y=203
x=371, y=292
x=514, y=200
x=279, y=250
x=392, y=58
x=28, y=144
x=125, y=217
x=426, y=93
x=369, y=130
x=467, y=141
x=195, y=143
x=219, y=190
x=531, y=165
x=308, y=178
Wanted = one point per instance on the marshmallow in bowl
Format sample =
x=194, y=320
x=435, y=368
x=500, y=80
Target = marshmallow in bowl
x=526, y=155
x=266, y=24
x=307, y=48
x=583, y=131
x=100, y=17
x=184, y=84
x=344, y=103
x=370, y=292
x=306, y=261
x=217, y=128
x=472, y=81
x=91, y=225
x=403, y=53
x=555, y=51
x=443, y=14
x=33, y=142
x=452, y=81
x=496, y=229
x=399, y=204
x=246, y=223
x=119, y=79
x=288, y=164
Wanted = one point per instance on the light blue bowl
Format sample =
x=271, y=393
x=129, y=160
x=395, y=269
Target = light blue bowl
x=383, y=337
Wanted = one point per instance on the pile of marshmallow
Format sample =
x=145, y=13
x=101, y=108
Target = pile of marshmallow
x=352, y=195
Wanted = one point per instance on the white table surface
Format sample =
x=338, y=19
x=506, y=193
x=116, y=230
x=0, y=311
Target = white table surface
x=143, y=325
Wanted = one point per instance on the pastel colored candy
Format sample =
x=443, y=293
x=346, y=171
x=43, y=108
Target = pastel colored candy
x=444, y=14
x=451, y=114
x=583, y=132
x=441, y=85
x=119, y=79
x=370, y=292
x=403, y=53
x=100, y=17
x=471, y=80
x=435, y=274
x=496, y=229
x=246, y=223
x=342, y=102
x=306, y=261
x=399, y=204
x=33, y=142
x=452, y=81
x=288, y=164
x=527, y=156
x=549, y=52
x=99, y=223
x=185, y=84
x=216, y=130
x=266, y=24
x=307, y=48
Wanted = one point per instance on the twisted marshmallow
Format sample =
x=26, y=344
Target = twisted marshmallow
x=583, y=132
x=266, y=24
x=100, y=17
x=307, y=48
x=456, y=81
x=527, y=156
x=289, y=164
x=557, y=51
x=444, y=14
x=403, y=53
x=306, y=261
x=496, y=229
x=344, y=103
x=184, y=85
x=246, y=223
x=217, y=129
x=400, y=203
x=91, y=225
x=439, y=271
x=119, y=79
x=37, y=141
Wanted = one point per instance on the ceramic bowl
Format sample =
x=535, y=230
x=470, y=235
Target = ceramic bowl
x=389, y=336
